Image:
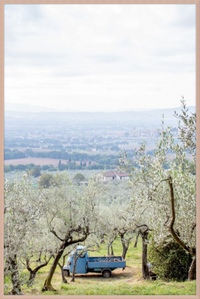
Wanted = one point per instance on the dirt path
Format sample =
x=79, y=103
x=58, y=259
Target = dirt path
x=128, y=275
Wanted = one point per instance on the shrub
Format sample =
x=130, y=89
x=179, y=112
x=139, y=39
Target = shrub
x=78, y=178
x=171, y=261
x=35, y=172
x=45, y=180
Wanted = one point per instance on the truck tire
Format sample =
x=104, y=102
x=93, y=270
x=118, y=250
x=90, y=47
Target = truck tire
x=106, y=273
x=66, y=273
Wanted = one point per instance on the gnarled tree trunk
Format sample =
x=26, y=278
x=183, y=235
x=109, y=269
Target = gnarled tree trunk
x=16, y=290
x=65, y=243
x=145, y=270
x=192, y=270
x=74, y=269
x=144, y=234
x=64, y=280
x=47, y=284
x=136, y=239
x=110, y=248
x=76, y=256
x=125, y=245
x=33, y=272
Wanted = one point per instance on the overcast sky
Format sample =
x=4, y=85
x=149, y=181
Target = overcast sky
x=100, y=57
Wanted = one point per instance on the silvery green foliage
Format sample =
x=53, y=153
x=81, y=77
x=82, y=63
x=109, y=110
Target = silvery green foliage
x=116, y=219
x=121, y=212
x=151, y=189
x=72, y=217
x=116, y=192
x=23, y=230
x=187, y=128
x=71, y=209
x=36, y=220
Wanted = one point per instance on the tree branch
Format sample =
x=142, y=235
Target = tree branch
x=55, y=234
x=171, y=225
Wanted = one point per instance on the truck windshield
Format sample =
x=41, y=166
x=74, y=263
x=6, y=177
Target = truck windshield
x=82, y=254
x=71, y=253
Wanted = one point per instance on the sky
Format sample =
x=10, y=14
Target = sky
x=100, y=57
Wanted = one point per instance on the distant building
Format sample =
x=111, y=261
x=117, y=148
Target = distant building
x=114, y=175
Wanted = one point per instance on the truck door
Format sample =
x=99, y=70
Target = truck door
x=81, y=264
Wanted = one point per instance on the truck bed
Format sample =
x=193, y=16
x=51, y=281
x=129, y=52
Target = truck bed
x=105, y=258
x=106, y=262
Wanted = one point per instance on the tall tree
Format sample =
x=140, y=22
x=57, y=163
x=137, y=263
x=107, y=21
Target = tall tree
x=22, y=211
x=169, y=189
x=72, y=223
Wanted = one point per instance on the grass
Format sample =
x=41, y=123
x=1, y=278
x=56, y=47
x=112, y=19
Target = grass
x=137, y=288
x=127, y=282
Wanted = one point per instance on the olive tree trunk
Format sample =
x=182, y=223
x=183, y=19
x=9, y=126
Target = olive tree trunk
x=65, y=243
x=74, y=269
x=192, y=251
x=192, y=270
x=47, y=284
x=76, y=256
x=136, y=239
x=145, y=270
x=33, y=272
x=110, y=248
x=64, y=280
x=125, y=245
x=15, y=279
x=144, y=234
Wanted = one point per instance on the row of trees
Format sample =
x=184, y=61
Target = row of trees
x=28, y=167
x=68, y=144
x=13, y=154
x=61, y=167
x=74, y=156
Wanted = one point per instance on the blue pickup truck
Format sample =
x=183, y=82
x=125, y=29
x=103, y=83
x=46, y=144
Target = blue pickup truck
x=85, y=264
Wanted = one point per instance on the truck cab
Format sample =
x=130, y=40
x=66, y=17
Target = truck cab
x=81, y=262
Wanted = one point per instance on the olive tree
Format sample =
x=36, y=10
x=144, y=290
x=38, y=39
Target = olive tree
x=40, y=249
x=116, y=221
x=71, y=217
x=169, y=189
x=22, y=211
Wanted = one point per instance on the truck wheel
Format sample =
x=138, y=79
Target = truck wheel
x=106, y=273
x=66, y=273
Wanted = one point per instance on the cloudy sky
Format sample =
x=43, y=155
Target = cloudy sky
x=100, y=57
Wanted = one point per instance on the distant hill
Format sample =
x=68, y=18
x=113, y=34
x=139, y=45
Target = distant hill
x=25, y=108
x=146, y=118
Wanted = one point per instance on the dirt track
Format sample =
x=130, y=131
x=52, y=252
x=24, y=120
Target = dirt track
x=128, y=275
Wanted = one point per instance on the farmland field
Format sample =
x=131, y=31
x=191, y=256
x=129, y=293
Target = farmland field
x=36, y=161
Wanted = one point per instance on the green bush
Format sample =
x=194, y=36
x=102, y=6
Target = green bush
x=36, y=171
x=78, y=178
x=171, y=261
x=45, y=180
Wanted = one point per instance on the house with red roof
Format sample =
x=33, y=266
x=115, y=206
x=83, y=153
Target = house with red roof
x=114, y=175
